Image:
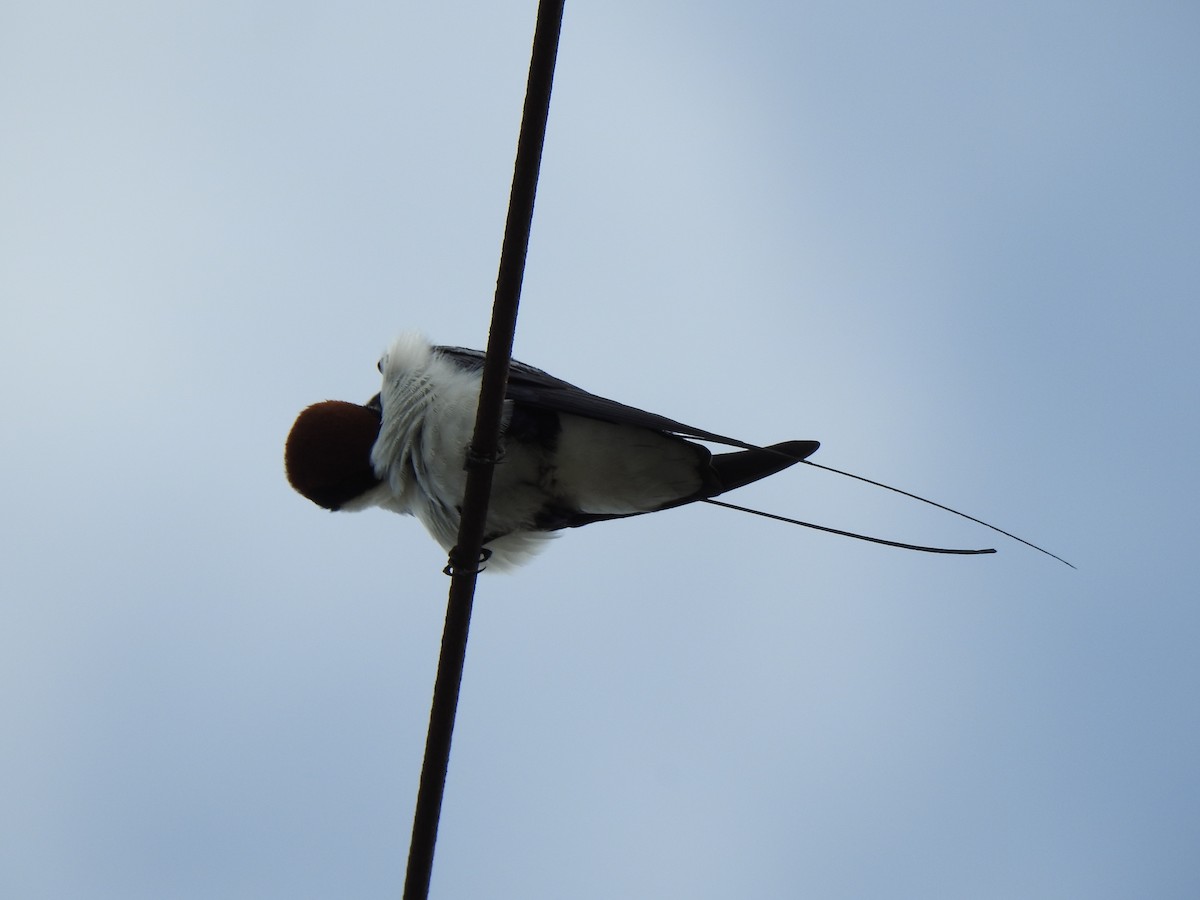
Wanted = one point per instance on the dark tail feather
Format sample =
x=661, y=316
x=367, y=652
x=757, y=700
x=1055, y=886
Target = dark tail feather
x=946, y=508
x=744, y=466
x=849, y=534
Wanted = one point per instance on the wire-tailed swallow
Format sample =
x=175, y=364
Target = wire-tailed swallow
x=568, y=457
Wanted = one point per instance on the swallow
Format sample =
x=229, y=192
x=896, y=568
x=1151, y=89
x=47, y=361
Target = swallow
x=568, y=457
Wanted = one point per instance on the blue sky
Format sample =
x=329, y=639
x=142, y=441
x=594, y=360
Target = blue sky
x=957, y=243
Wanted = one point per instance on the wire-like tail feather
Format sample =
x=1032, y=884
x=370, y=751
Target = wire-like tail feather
x=851, y=534
x=948, y=509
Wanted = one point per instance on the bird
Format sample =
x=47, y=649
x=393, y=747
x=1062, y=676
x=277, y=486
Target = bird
x=568, y=457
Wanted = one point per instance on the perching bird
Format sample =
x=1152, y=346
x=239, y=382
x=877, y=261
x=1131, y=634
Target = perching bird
x=568, y=457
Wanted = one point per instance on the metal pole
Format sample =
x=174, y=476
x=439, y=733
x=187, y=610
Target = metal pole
x=465, y=557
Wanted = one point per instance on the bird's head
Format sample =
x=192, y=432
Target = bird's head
x=328, y=453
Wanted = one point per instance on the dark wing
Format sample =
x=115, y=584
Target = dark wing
x=541, y=390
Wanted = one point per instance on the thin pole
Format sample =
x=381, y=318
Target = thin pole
x=465, y=557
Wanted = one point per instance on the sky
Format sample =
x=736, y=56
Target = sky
x=957, y=243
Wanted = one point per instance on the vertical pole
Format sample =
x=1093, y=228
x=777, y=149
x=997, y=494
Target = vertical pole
x=464, y=558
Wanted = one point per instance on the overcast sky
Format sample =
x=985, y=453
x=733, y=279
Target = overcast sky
x=957, y=243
